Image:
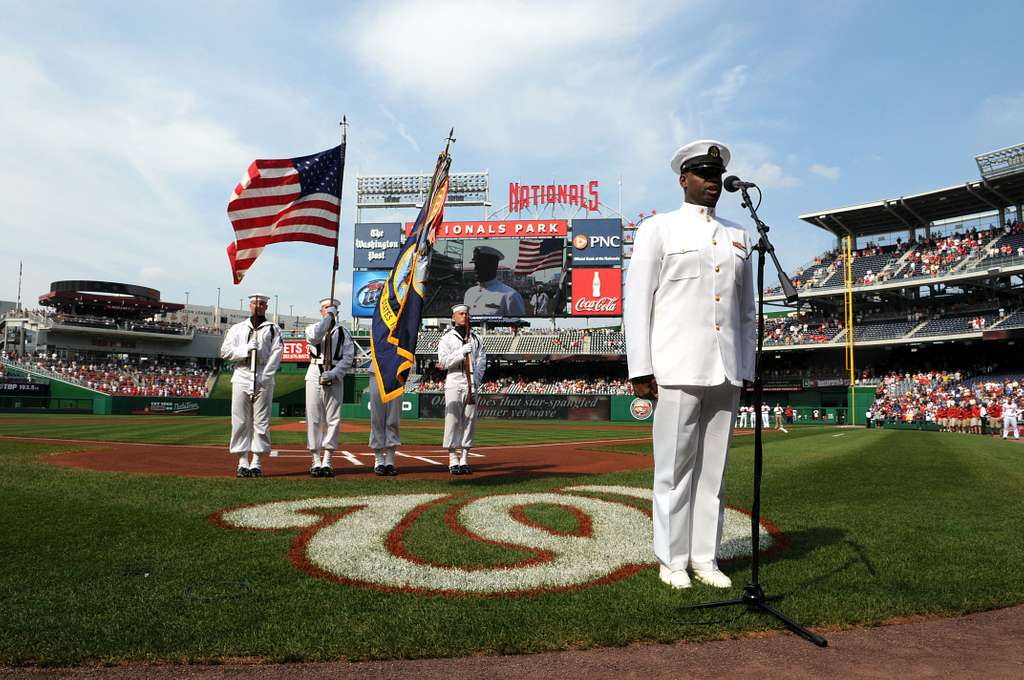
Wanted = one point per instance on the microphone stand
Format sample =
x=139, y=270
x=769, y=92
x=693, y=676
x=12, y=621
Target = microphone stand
x=753, y=595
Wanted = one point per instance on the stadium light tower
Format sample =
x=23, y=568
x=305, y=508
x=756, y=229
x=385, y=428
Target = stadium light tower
x=186, y=298
x=1001, y=161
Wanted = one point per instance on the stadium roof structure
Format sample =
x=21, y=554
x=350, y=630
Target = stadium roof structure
x=994, y=191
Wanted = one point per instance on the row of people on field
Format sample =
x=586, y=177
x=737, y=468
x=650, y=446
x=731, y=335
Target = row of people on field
x=944, y=399
x=257, y=347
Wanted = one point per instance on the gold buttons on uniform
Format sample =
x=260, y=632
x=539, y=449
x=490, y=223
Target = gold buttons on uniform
x=714, y=242
x=718, y=298
x=717, y=327
x=716, y=269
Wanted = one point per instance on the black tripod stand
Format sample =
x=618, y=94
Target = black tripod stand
x=753, y=596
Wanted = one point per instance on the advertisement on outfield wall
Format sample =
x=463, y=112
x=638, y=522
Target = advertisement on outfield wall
x=295, y=350
x=366, y=290
x=375, y=245
x=526, y=406
x=596, y=292
x=597, y=242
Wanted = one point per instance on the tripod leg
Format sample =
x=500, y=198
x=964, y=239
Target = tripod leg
x=715, y=605
x=792, y=625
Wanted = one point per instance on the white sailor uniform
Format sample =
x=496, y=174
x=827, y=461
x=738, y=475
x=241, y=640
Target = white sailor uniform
x=323, y=402
x=689, y=319
x=250, y=418
x=460, y=417
x=494, y=298
x=385, y=424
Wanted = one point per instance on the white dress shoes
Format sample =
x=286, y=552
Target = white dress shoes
x=676, y=579
x=713, y=578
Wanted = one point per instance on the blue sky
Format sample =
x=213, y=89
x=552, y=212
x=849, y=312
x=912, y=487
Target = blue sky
x=127, y=125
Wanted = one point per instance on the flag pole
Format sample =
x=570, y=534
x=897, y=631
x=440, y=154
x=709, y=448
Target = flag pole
x=328, y=357
x=341, y=182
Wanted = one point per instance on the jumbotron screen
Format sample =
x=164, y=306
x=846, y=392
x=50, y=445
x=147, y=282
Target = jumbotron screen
x=514, y=269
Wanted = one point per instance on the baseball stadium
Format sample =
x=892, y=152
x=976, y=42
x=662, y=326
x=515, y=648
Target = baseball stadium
x=891, y=479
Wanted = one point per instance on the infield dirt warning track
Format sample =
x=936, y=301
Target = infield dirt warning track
x=414, y=461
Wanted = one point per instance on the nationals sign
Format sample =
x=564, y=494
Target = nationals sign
x=596, y=292
x=500, y=229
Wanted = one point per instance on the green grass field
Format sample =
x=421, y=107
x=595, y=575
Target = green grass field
x=110, y=567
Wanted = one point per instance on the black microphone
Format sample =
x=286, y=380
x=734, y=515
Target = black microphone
x=734, y=183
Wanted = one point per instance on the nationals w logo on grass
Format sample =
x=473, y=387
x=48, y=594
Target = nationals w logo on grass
x=363, y=540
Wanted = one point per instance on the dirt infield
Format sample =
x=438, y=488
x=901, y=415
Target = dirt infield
x=985, y=645
x=417, y=462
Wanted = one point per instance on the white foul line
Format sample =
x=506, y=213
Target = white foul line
x=350, y=458
x=424, y=459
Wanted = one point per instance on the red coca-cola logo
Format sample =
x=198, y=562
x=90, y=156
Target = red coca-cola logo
x=605, y=305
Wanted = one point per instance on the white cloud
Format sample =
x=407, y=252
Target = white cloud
x=830, y=172
x=722, y=94
x=755, y=162
x=535, y=83
x=400, y=128
x=999, y=121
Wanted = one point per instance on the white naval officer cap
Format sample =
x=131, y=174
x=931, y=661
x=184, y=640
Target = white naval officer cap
x=704, y=153
x=330, y=302
x=460, y=308
x=259, y=297
x=487, y=251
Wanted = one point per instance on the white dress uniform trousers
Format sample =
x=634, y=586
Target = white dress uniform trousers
x=460, y=417
x=494, y=298
x=323, y=402
x=385, y=419
x=250, y=419
x=689, y=319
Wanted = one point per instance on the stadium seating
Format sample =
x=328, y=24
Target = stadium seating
x=882, y=330
x=128, y=377
x=1009, y=246
x=1014, y=320
x=957, y=323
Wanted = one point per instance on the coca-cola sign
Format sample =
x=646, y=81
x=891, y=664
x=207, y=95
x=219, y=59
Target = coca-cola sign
x=596, y=292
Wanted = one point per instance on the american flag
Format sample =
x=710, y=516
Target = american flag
x=294, y=199
x=538, y=253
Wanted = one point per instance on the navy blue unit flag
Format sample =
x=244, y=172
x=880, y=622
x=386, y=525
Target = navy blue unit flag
x=397, y=316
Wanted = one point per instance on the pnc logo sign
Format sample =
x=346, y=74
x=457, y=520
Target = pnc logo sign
x=583, y=241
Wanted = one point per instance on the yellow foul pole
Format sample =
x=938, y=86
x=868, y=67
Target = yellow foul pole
x=848, y=309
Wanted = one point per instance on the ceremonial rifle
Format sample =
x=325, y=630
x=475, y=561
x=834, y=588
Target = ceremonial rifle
x=467, y=364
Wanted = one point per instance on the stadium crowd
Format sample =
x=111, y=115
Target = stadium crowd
x=946, y=399
x=132, y=377
x=935, y=256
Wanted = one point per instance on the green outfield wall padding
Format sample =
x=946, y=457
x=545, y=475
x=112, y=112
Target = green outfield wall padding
x=63, y=392
x=410, y=407
x=629, y=408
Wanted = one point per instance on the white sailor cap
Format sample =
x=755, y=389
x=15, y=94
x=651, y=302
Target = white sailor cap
x=330, y=302
x=259, y=297
x=704, y=153
x=460, y=308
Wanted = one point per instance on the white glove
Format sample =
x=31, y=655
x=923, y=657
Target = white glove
x=253, y=344
x=467, y=348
